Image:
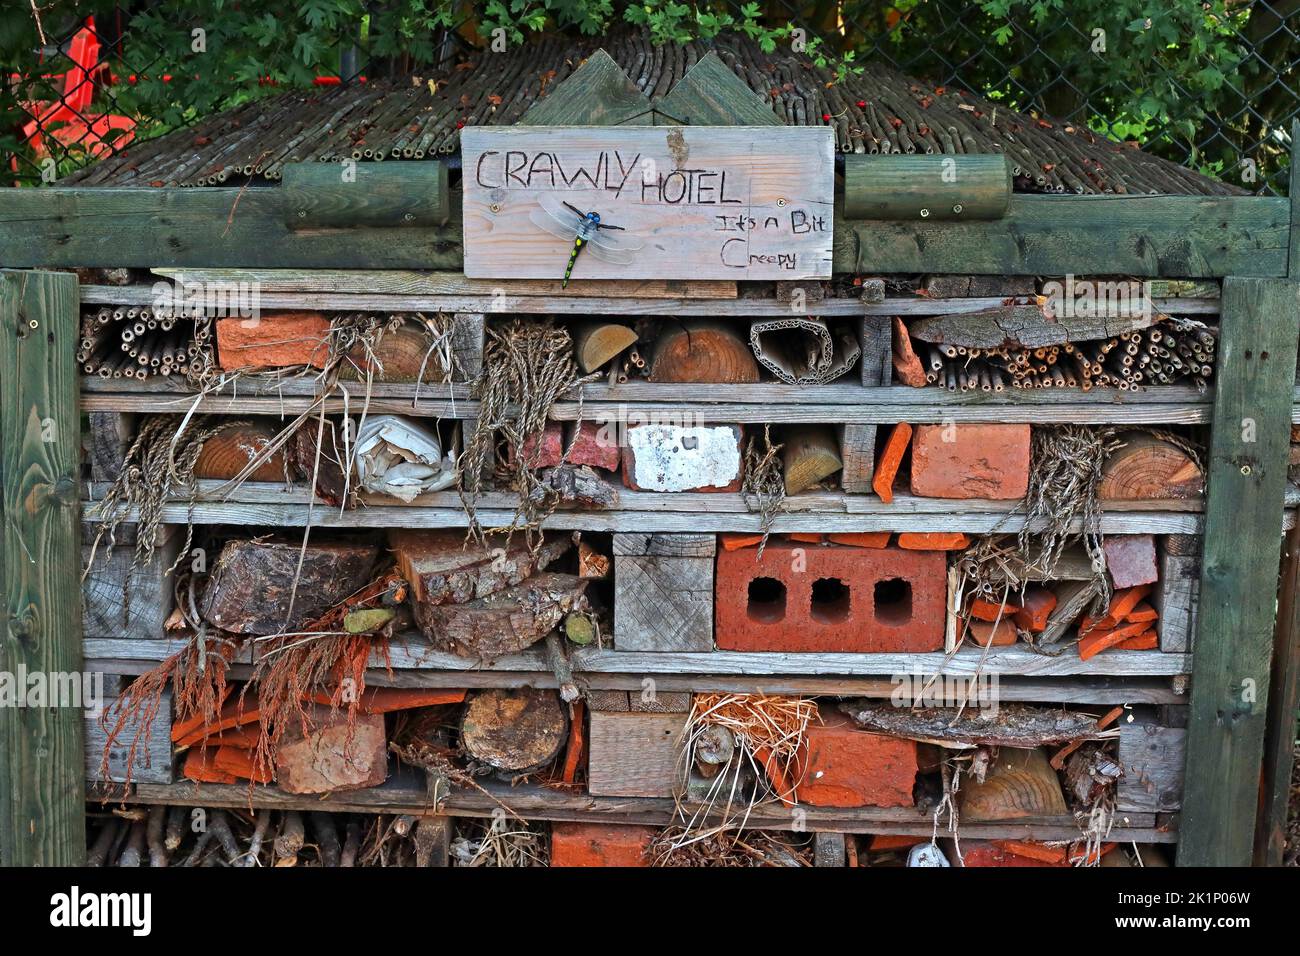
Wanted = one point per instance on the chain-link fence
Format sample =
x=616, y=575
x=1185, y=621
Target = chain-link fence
x=1210, y=83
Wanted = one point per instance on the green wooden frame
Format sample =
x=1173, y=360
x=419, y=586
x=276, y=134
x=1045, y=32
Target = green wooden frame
x=42, y=755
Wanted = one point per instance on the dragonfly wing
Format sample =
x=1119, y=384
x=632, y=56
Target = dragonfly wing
x=546, y=220
x=615, y=247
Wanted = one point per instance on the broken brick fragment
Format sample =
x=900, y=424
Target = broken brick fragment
x=933, y=541
x=844, y=766
x=600, y=844
x=1035, y=609
x=273, y=340
x=891, y=459
x=970, y=461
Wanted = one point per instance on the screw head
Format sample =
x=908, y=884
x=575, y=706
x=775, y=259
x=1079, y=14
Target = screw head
x=957, y=209
x=1245, y=469
x=925, y=214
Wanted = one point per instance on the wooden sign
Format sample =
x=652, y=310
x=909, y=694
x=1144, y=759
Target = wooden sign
x=673, y=202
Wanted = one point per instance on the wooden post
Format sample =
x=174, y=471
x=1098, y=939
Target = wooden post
x=1279, y=753
x=42, y=762
x=1234, y=629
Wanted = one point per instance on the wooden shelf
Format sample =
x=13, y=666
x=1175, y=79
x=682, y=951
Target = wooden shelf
x=412, y=652
x=770, y=403
x=358, y=298
x=266, y=503
x=406, y=792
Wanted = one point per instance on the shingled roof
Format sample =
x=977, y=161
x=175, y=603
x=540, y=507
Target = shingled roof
x=877, y=111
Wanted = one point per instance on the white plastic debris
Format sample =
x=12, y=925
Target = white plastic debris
x=927, y=854
x=399, y=458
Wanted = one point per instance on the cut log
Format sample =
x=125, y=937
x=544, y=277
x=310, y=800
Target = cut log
x=1018, y=784
x=110, y=437
x=404, y=354
x=251, y=589
x=591, y=563
x=505, y=622
x=811, y=454
x=858, y=451
x=230, y=451
x=516, y=729
x=332, y=753
x=702, y=351
x=151, y=588
x=1146, y=467
x=635, y=755
x=442, y=568
x=595, y=343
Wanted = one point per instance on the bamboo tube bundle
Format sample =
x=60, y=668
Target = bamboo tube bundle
x=133, y=343
x=1169, y=353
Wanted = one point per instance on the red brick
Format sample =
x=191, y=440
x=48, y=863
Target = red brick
x=1036, y=607
x=862, y=539
x=599, y=844
x=933, y=541
x=847, y=767
x=595, y=445
x=677, y=458
x=789, y=621
x=1131, y=559
x=735, y=540
x=805, y=537
x=979, y=461
x=985, y=853
x=552, y=450
x=891, y=459
x=273, y=340
x=982, y=610
x=982, y=632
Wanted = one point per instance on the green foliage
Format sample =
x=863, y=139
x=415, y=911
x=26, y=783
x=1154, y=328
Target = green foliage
x=1161, y=70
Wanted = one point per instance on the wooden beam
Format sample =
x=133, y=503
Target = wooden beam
x=1180, y=236
x=212, y=227
x=349, y=195
x=954, y=188
x=711, y=94
x=598, y=93
x=42, y=787
x=1283, y=702
x=1246, y=484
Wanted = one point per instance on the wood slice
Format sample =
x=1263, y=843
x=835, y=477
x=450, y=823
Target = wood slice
x=505, y=622
x=1019, y=784
x=702, y=352
x=441, y=569
x=514, y=729
x=228, y=452
x=397, y=357
x=811, y=454
x=1146, y=468
x=595, y=343
x=251, y=583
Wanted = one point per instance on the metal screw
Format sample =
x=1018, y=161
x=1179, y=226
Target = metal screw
x=957, y=209
x=781, y=202
x=1245, y=469
x=925, y=214
x=33, y=324
x=409, y=217
x=302, y=213
x=495, y=207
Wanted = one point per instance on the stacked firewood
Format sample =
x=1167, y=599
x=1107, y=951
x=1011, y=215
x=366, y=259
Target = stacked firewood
x=134, y=343
x=1160, y=355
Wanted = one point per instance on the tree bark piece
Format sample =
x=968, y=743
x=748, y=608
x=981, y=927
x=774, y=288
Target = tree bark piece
x=702, y=351
x=332, y=753
x=515, y=729
x=811, y=454
x=1011, y=725
x=506, y=621
x=441, y=568
x=595, y=343
x=1019, y=784
x=577, y=485
x=1147, y=468
x=1022, y=326
x=252, y=582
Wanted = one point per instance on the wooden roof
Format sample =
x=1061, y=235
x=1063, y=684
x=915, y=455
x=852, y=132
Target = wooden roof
x=877, y=111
